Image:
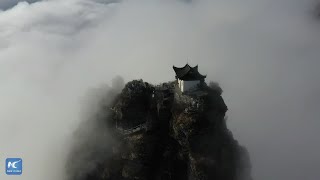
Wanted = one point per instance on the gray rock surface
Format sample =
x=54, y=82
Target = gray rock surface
x=162, y=134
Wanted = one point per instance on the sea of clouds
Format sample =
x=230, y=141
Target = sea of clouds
x=264, y=53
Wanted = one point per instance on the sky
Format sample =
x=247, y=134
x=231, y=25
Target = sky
x=263, y=53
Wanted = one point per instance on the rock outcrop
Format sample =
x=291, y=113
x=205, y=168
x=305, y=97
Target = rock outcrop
x=162, y=134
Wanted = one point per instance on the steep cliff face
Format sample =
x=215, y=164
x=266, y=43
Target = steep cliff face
x=162, y=134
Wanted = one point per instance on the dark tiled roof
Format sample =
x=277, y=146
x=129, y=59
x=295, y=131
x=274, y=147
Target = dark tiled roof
x=188, y=73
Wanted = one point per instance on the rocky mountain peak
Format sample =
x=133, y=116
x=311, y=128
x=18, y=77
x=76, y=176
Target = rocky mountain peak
x=163, y=134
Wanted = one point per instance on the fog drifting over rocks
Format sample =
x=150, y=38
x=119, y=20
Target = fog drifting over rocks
x=264, y=54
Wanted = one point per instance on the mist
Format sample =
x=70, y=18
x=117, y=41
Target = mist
x=263, y=53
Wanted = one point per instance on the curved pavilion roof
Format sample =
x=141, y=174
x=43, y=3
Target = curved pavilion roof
x=188, y=73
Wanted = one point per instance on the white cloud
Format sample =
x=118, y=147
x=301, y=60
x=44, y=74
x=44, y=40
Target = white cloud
x=264, y=53
x=6, y=4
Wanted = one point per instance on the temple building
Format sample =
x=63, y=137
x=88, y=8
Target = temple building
x=188, y=77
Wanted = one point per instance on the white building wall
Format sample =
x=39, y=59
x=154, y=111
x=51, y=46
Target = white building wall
x=187, y=85
x=180, y=83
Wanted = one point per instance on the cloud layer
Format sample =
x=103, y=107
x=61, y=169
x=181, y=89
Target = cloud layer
x=264, y=53
x=6, y=4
